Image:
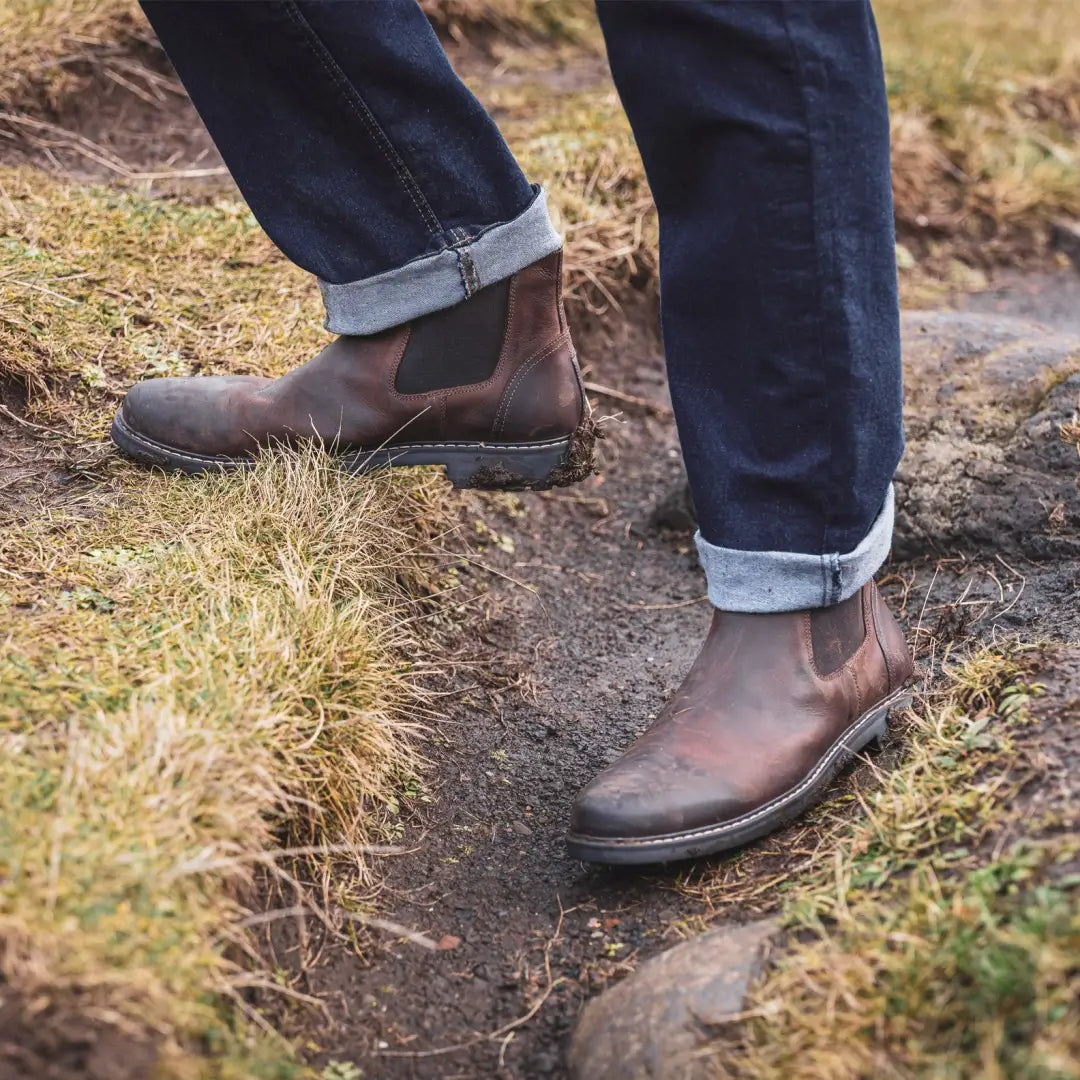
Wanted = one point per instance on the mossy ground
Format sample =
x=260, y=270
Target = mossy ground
x=197, y=675
x=104, y=287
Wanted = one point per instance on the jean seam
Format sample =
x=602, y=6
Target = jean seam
x=815, y=226
x=362, y=111
x=470, y=276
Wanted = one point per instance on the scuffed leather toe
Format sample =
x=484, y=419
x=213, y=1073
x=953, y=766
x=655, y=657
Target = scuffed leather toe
x=627, y=803
x=190, y=414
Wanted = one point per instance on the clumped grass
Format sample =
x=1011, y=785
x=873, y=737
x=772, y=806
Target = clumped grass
x=934, y=942
x=580, y=146
x=194, y=673
x=101, y=288
x=522, y=21
x=192, y=676
x=986, y=119
x=42, y=42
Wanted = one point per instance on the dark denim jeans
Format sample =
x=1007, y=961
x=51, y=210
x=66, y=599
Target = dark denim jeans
x=764, y=131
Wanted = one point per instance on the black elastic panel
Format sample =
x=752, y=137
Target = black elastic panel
x=456, y=346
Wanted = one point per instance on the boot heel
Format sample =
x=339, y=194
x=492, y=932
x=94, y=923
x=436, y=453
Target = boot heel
x=877, y=731
x=511, y=468
x=493, y=466
x=878, y=728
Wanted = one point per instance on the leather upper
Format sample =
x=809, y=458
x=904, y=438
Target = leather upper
x=348, y=393
x=751, y=720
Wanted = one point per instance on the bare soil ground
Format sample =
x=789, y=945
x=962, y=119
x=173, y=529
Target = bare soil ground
x=130, y=122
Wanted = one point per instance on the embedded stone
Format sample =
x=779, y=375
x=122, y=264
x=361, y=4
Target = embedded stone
x=649, y=1026
x=986, y=468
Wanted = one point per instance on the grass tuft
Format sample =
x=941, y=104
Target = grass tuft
x=524, y=22
x=191, y=677
x=43, y=43
x=941, y=938
x=580, y=145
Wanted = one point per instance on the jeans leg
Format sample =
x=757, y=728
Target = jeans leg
x=764, y=131
x=361, y=153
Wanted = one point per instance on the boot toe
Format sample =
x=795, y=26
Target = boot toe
x=146, y=407
x=187, y=414
x=617, y=807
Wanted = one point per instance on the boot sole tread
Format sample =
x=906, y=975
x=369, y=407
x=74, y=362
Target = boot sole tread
x=489, y=465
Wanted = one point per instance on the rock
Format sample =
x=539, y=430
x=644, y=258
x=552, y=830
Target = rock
x=986, y=468
x=675, y=511
x=648, y=1026
x=1065, y=237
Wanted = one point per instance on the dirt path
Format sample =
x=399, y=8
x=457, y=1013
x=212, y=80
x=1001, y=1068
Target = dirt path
x=615, y=620
x=607, y=635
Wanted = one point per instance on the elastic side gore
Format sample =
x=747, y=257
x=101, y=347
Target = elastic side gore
x=457, y=346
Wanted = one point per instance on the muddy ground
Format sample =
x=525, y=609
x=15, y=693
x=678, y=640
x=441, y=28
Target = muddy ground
x=586, y=614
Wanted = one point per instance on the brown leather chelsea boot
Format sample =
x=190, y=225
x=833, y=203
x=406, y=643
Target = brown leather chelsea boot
x=772, y=707
x=489, y=388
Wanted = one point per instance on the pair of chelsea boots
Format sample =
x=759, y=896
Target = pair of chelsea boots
x=490, y=389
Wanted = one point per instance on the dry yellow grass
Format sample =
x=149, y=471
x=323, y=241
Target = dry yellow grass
x=986, y=118
x=193, y=674
x=985, y=99
x=190, y=669
x=524, y=21
x=42, y=40
x=581, y=148
x=937, y=935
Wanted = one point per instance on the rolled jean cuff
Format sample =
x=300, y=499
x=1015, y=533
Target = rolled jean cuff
x=764, y=581
x=433, y=282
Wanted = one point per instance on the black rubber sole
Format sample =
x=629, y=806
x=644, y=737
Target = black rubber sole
x=493, y=466
x=693, y=843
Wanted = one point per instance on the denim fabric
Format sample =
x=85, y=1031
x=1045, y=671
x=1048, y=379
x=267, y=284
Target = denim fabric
x=764, y=131
x=358, y=149
x=765, y=136
x=433, y=282
x=791, y=580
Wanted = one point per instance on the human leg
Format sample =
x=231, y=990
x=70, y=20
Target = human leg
x=372, y=166
x=763, y=127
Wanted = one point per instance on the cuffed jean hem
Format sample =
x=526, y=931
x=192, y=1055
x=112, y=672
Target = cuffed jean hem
x=433, y=282
x=764, y=581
